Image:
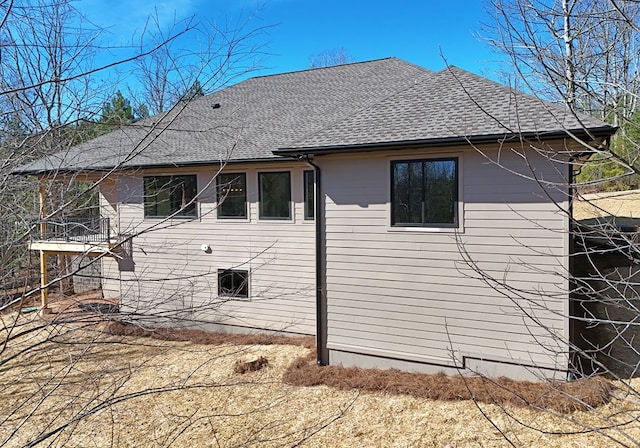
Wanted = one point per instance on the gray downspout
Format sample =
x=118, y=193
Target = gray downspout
x=321, y=306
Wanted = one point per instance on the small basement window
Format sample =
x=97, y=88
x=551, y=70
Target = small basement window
x=233, y=283
x=166, y=196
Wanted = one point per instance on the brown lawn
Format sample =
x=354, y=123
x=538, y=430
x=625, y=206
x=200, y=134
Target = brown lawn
x=138, y=388
x=617, y=203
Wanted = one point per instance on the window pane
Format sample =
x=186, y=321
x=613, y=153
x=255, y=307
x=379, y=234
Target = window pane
x=184, y=192
x=416, y=193
x=399, y=190
x=168, y=195
x=309, y=194
x=151, y=196
x=232, y=195
x=408, y=193
x=440, y=192
x=424, y=192
x=275, y=195
x=233, y=283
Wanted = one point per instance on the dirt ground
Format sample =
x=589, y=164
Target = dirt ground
x=88, y=387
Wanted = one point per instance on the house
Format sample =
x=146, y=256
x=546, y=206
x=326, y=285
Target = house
x=408, y=218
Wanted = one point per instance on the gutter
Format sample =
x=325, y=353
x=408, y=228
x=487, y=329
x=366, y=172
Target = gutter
x=322, y=355
x=603, y=131
x=167, y=165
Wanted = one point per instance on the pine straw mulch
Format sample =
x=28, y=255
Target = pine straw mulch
x=205, y=337
x=564, y=397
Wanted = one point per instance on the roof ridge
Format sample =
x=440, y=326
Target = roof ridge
x=347, y=64
x=310, y=69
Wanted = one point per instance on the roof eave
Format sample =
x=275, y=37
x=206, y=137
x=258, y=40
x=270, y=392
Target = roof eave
x=603, y=131
x=104, y=169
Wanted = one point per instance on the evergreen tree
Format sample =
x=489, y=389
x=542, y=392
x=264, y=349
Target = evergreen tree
x=117, y=112
x=193, y=92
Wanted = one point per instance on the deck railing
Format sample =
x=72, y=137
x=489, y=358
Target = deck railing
x=91, y=229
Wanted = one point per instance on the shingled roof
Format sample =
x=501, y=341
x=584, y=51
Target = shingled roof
x=384, y=102
x=451, y=106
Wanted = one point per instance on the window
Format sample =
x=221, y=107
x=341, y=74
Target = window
x=309, y=194
x=233, y=283
x=232, y=195
x=274, y=189
x=169, y=196
x=424, y=193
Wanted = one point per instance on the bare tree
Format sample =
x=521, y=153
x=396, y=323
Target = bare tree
x=328, y=58
x=582, y=55
x=585, y=55
x=43, y=100
x=50, y=100
x=222, y=53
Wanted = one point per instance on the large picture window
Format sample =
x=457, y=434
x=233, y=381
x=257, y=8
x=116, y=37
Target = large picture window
x=275, y=195
x=233, y=283
x=424, y=193
x=232, y=195
x=170, y=196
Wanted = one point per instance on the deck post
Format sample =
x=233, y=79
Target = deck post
x=44, y=291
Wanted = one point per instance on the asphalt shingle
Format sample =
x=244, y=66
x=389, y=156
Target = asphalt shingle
x=451, y=104
x=375, y=102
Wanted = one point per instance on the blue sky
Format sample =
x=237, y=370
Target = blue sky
x=419, y=31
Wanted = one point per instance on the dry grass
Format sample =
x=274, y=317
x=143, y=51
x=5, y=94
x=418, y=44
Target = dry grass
x=179, y=393
x=557, y=396
x=599, y=205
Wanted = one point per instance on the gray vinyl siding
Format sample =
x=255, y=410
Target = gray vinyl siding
x=174, y=278
x=423, y=295
x=108, y=195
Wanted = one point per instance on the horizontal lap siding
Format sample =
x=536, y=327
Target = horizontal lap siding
x=108, y=199
x=418, y=295
x=172, y=272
